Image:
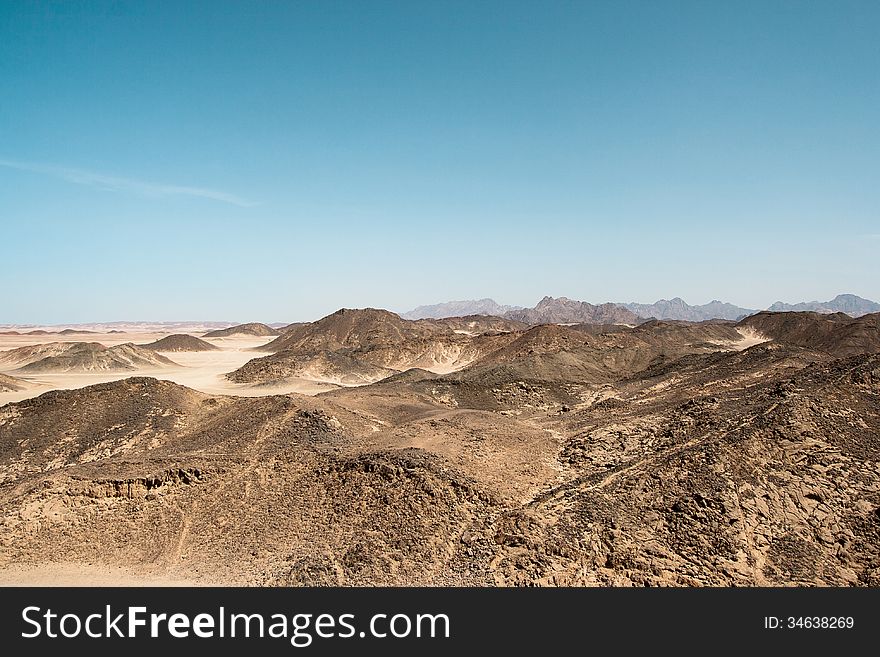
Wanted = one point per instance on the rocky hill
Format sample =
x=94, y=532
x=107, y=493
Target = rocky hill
x=560, y=354
x=837, y=334
x=363, y=346
x=253, y=328
x=180, y=342
x=336, y=367
x=348, y=328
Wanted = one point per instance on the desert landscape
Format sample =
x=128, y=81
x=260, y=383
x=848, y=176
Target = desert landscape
x=459, y=444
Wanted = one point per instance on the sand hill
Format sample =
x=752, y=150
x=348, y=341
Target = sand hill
x=81, y=357
x=12, y=384
x=180, y=342
x=253, y=328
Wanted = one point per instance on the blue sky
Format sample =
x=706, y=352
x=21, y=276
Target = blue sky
x=276, y=161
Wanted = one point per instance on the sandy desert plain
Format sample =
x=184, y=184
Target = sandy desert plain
x=200, y=370
x=367, y=449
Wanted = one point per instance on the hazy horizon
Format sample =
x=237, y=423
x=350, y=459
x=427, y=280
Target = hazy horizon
x=400, y=311
x=278, y=162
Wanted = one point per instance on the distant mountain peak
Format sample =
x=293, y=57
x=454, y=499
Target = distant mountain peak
x=485, y=306
x=849, y=304
x=678, y=309
x=563, y=310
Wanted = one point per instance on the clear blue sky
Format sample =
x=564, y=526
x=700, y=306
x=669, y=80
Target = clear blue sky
x=275, y=161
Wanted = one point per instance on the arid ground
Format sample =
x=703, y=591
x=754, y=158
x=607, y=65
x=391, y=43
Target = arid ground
x=364, y=449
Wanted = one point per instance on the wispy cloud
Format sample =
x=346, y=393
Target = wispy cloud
x=123, y=184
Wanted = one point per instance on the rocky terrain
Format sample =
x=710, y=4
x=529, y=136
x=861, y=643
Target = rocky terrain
x=253, y=328
x=81, y=357
x=353, y=347
x=837, y=334
x=180, y=342
x=665, y=454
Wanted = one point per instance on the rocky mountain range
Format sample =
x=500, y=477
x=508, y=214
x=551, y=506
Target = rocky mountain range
x=677, y=309
x=564, y=310
x=459, y=309
x=850, y=304
x=568, y=311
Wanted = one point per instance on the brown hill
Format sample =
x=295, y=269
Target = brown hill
x=269, y=490
x=559, y=353
x=336, y=367
x=350, y=329
x=834, y=333
x=742, y=486
x=290, y=327
x=180, y=342
x=373, y=344
x=81, y=357
x=253, y=328
x=567, y=311
x=70, y=331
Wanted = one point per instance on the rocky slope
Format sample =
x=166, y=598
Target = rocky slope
x=253, y=328
x=354, y=347
x=836, y=333
x=180, y=342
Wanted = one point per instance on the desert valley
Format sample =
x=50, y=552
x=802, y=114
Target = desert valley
x=565, y=444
